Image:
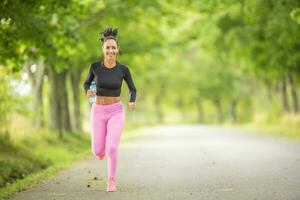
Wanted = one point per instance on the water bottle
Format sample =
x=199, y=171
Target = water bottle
x=93, y=88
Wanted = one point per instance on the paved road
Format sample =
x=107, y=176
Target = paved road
x=186, y=162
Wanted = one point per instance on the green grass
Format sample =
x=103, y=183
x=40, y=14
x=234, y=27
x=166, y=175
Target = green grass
x=292, y=132
x=287, y=125
x=27, y=161
x=33, y=179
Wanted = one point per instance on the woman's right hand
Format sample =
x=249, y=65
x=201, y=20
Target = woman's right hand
x=90, y=93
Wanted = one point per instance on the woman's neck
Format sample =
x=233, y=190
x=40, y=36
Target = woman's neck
x=110, y=63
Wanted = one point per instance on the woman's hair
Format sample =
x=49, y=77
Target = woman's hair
x=109, y=33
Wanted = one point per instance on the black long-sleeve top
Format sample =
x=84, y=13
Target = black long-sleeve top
x=109, y=80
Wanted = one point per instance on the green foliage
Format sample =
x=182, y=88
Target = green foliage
x=181, y=53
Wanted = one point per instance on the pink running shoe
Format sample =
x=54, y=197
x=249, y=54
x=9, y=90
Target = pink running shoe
x=111, y=185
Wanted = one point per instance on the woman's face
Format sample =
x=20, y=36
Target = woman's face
x=110, y=49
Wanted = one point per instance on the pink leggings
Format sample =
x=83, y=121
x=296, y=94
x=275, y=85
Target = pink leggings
x=107, y=122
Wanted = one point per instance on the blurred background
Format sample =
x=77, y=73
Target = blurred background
x=230, y=62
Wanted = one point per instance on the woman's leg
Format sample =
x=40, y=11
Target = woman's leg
x=98, y=133
x=114, y=129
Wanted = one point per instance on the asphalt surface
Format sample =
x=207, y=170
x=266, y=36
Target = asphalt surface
x=185, y=162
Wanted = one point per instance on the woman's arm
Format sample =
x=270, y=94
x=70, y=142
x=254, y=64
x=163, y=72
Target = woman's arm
x=88, y=80
x=130, y=85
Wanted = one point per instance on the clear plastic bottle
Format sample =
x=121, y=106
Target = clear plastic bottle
x=93, y=88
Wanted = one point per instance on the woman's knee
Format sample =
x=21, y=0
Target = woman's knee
x=98, y=151
x=112, y=150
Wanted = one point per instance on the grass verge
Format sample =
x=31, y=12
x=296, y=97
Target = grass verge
x=287, y=126
x=27, y=161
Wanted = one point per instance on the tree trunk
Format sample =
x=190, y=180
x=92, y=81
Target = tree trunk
x=59, y=111
x=37, y=81
x=157, y=102
x=159, y=113
x=293, y=93
x=200, y=111
x=75, y=84
x=218, y=105
x=284, y=96
x=181, y=108
x=233, y=110
x=55, y=117
x=63, y=94
x=269, y=90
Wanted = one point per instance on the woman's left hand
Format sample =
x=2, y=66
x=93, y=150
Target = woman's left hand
x=131, y=105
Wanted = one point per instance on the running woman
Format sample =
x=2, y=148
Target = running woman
x=108, y=114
